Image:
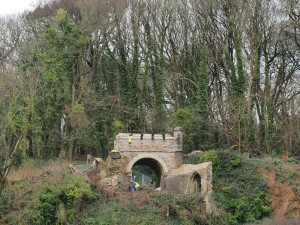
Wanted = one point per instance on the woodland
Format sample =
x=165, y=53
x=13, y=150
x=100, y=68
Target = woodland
x=74, y=73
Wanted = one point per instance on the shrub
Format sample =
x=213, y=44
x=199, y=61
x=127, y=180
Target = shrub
x=236, y=161
x=292, y=160
x=292, y=175
x=239, y=191
x=211, y=156
x=48, y=205
x=90, y=221
x=59, y=205
x=76, y=193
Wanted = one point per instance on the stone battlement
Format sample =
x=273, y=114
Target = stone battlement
x=150, y=143
x=163, y=154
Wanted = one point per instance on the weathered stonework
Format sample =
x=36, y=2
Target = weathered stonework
x=186, y=173
x=163, y=154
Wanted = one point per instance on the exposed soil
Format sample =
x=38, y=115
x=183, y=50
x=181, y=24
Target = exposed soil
x=285, y=202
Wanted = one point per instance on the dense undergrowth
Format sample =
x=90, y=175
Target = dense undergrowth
x=239, y=197
x=239, y=193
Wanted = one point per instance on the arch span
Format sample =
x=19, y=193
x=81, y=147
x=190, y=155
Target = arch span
x=132, y=162
x=195, y=184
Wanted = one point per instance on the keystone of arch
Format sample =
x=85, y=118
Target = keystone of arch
x=147, y=155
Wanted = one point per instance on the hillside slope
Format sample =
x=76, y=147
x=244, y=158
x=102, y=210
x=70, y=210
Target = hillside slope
x=283, y=179
x=245, y=190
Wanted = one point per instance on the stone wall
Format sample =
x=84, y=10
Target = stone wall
x=158, y=144
x=166, y=151
x=178, y=180
x=167, y=160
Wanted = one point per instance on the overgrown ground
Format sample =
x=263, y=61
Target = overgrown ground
x=265, y=190
x=283, y=179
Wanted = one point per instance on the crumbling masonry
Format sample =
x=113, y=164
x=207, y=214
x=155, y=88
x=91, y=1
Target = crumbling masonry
x=164, y=155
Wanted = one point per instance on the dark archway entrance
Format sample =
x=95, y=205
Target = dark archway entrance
x=147, y=171
x=195, y=184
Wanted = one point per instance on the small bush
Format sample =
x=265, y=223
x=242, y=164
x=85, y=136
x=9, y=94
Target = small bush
x=292, y=175
x=236, y=161
x=59, y=204
x=211, y=156
x=76, y=194
x=48, y=205
x=292, y=160
x=76, y=190
x=295, y=189
x=90, y=221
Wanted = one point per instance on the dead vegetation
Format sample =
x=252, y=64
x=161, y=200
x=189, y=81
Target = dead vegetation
x=34, y=169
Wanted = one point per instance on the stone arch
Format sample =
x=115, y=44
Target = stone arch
x=161, y=162
x=195, y=184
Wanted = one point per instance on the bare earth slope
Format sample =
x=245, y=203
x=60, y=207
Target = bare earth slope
x=284, y=188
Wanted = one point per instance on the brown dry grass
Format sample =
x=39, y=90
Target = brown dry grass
x=138, y=198
x=31, y=169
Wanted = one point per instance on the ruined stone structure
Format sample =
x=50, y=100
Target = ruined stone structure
x=163, y=154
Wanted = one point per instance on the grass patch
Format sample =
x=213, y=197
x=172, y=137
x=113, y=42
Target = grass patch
x=33, y=168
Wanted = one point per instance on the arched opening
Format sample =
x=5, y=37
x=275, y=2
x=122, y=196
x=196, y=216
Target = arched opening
x=195, y=184
x=147, y=172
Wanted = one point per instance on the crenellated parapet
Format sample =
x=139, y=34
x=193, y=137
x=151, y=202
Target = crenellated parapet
x=163, y=153
x=149, y=142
